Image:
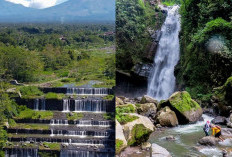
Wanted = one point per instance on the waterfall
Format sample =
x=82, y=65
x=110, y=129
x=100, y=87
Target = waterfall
x=93, y=123
x=75, y=153
x=43, y=104
x=39, y=104
x=90, y=105
x=66, y=105
x=36, y=104
x=88, y=91
x=162, y=80
x=20, y=152
x=58, y=122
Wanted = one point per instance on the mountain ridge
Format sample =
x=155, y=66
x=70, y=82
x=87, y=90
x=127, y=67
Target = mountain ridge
x=69, y=11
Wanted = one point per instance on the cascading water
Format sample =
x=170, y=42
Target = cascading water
x=40, y=104
x=36, y=104
x=90, y=105
x=66, y=105
x=58, y=122
x=162, y=80
x=88, y=91
x=93, y=123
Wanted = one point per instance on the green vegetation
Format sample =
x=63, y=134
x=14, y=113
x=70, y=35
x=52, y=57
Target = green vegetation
x=119, y=144
x=30, y=92
x=108, y=97
x=31, y=114
x=57, y=54
x=74, y=116
x=134, y=17
x=122, y=116
x=125, y=109
x=50, y=146
x=29, y=126
x=109, y=116
x=140, y=134
x=206, y=54
x=51, y=95
x=125, y=118
x=182, y=101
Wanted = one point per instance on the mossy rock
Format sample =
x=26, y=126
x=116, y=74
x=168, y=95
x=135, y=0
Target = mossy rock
x=119, y=146
x=139, y=134
x=223, y=95
x=186, y=109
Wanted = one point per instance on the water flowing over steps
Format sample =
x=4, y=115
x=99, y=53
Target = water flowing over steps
x=90, y=136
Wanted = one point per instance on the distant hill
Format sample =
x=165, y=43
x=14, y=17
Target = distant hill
x=70, y=11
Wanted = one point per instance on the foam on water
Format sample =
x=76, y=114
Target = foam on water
x=193, y=127
x=211, y=151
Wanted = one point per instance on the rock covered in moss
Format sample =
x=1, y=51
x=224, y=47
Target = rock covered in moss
x=138, y=131
x=223, y=97
x=166, y=117
x=148, y=110
x=148, y=99
x=187, y=110
x=158, y=151
x=121, y=142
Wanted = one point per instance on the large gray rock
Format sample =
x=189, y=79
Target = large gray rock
x=230, y=118
x=141, y=71
x=209, y=141
x=120, y=138
x=220, y=120
x=158, y=151
x=148, y=110
x=166, y=117
x=148, y=99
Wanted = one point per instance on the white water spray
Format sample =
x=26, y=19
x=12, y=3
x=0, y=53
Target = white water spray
x=162, y=80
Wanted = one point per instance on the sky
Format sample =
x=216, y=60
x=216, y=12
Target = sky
x=37, y=4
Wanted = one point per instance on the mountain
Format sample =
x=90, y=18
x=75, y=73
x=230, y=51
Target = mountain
x=70, y=11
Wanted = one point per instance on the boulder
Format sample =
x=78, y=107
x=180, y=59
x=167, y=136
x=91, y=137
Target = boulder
x=148, y=110
x=119, y=101
x=229, y=125
x=230, y=118
x=227, y=132
x=187, y=110
x=158, y=151
x=121, y=142
x=138, y=131
x=148, y=99
x=146, y=146
x=220, y=120
x=209, y=141
x=170, y=138
x=166, y=117
x=141, y=71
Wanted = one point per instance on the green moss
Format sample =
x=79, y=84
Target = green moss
x=119, y=144
x=51, y=146
x=140, y=134
x=125, y=109
x=182, y=101
x=108, y=97
x=74, y=116
x=125, y=118
x=31, y=114
x=51, y=95
x=138, y=105
x=29, y=126
x=109, y=116
x=30, y=92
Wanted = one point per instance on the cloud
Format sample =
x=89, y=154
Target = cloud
x=38, y=4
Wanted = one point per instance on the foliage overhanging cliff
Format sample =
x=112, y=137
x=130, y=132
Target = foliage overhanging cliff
x=206, y=39
x=134, y=18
